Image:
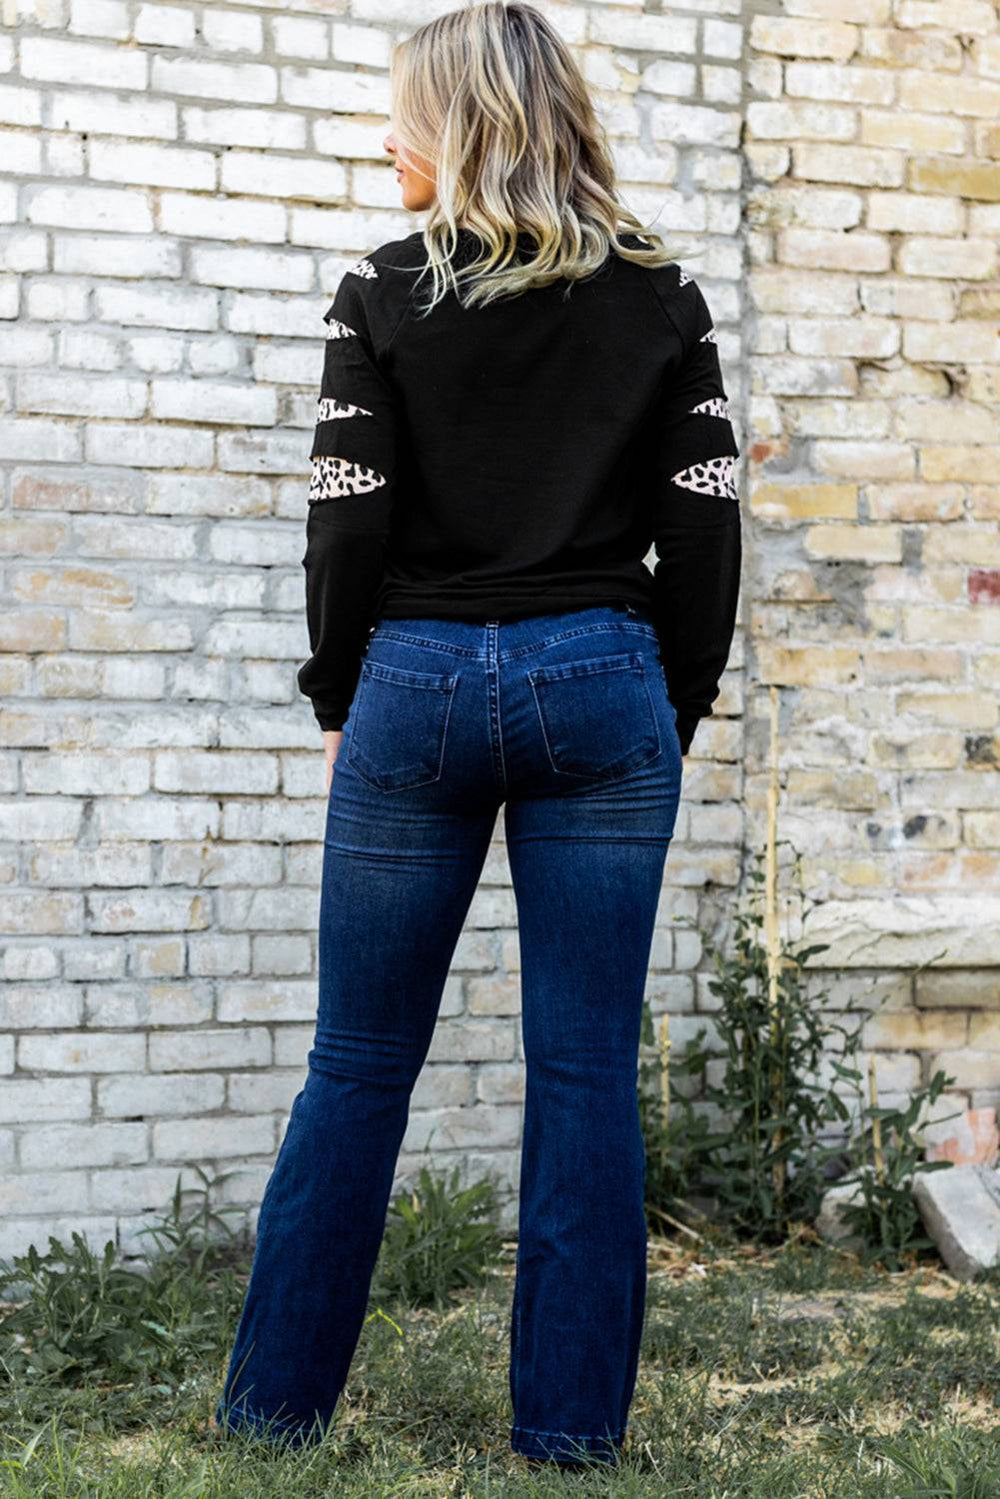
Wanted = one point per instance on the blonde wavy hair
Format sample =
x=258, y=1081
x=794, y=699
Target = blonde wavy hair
x=490, y=95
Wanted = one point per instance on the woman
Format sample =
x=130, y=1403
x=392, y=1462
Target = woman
x=491, y=464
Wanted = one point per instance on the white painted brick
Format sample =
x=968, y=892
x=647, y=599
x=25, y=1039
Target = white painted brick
x=24, y=1100
x=135, y=1188
x=219, y=954
x=267, y=269
x=282, y=955
x=99, y=18
x=90, y=208
x=100, y=114
x=290, y=317
x=85, y=1145
x=47, y=1006
x=260, y=453
x=164, y=26
x=149, y=447
x=203, y=78
x=158, y=818
x=349, y=138
x=343, y=229
x=156, y=355
x=82, y=773
x=643, y=33
x=29, y=961
x=67, y=62
x=39, y=820
x=265, y=1000
x=143, y=1095
x=187, y=1139
x=48, y=1192
x=132, y=679
x=186, y=400
x=149, y=911
x=53, y=442
x=59, y=301
x=9, y=297
x=253, y=1092
x=75, y=395
x=20, y=106
x=282, y=176
x=721, y=39
x=166, y=307
x=361, y=44
x=232, y=30
x=215, y=356
x=335, y=91
x=63, y=156
x=301, y=36
x=288, y=364
x=159, y=166
x=219, y=218
x=108, y=255
x=23, y=250
x=245, y=127
x=78, y=1051
x=194, y=1051
x=692, y=123
x=201, y=772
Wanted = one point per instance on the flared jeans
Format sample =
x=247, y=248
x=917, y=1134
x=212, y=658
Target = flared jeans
x=563, y=719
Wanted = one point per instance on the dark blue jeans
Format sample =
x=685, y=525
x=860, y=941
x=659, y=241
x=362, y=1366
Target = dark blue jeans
x=564, y=719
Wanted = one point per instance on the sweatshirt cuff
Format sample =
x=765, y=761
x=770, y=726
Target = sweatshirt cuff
x=686, y=725
x=331, y=720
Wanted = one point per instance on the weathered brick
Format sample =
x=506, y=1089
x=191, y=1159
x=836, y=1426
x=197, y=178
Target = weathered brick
x=157, y=166
x=269, y=175
x=204, y=78
x=301, y=36
x=67, y=62
x=184, y=400
x=90, y=208
x=218, y=218
x=791, y=37
x=198, y=1050
x=232, y=31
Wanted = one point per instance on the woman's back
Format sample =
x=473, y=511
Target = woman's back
x=520, y=457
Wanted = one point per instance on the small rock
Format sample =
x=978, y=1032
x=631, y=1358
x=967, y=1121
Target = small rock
x=961, y=1212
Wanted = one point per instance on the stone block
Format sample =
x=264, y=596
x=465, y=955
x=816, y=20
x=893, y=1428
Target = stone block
x=960, y=1208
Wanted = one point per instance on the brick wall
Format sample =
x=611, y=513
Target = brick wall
x=184, y=186
x=872, y=149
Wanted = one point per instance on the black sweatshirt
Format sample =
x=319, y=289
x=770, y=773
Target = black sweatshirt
x=518, y=459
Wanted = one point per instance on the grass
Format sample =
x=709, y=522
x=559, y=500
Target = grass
x=787, y=1372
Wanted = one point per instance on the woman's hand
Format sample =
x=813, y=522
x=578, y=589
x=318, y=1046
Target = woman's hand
x=331, y=744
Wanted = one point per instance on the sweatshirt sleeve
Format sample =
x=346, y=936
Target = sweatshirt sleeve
x=696, y=517
x=350, y=498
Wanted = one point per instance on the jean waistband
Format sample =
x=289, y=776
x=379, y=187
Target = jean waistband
x=514, y=636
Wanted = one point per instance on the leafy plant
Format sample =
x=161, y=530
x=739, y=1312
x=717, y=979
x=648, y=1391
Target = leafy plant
x=439, y=1237
x=78, y=1311
x=765, y=1164
x=887, y=1218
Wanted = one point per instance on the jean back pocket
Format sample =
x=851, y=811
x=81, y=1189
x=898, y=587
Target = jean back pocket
x=399, y=724
x=597, y=715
